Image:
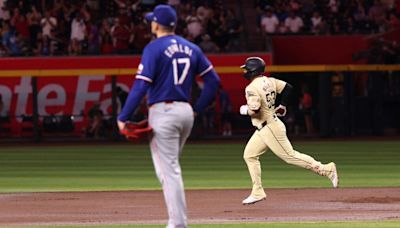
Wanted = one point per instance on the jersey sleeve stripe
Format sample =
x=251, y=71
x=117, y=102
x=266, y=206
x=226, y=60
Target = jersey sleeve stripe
x=206, y=70
x=147, y=79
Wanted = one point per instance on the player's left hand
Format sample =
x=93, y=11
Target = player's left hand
x=280, y=110
x=135, y=130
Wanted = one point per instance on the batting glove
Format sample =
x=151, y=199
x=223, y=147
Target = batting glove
x=244, y=110
x=280, y=110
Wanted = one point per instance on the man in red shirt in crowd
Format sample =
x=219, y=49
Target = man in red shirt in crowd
x=120, y=34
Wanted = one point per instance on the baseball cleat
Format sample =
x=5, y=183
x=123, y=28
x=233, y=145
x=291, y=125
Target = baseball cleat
x=334, y=176
x=252, y=200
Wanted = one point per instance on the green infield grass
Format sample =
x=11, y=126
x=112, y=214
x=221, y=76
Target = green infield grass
x=205, y=166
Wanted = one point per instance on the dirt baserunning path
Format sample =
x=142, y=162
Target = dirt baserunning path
x=204, y=206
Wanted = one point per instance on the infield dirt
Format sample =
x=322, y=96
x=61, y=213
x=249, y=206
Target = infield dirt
x=204, y=206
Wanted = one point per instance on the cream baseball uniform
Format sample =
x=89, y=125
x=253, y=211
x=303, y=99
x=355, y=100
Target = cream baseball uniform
x=271, y=133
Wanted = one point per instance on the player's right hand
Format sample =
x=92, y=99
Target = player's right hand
x=244, y=110
x=121, y=125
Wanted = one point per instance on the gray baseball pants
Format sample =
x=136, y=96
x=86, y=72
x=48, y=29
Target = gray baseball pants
x=172, y=124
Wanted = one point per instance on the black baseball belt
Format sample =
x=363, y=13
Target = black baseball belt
x=264, y=124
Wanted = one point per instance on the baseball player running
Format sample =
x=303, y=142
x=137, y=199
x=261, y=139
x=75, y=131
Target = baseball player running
x=270, y=130
x=168, y=67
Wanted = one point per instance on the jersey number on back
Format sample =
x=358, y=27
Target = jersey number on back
x=179, y=79
x=271, y=96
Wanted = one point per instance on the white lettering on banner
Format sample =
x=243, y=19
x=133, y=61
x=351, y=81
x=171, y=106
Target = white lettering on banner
x=83, y=95
x=23, y=90
x=107, y=102
x=43, y=101
x=6, y=95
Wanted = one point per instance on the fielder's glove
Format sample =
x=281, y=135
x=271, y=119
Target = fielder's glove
x=136, y=130
x=280, y=110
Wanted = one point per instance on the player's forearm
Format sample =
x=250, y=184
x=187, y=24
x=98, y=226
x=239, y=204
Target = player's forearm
x=285, y=94
x=211, y=84
x=133, y=101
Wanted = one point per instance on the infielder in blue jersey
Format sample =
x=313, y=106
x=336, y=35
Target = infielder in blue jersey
x=168, y=67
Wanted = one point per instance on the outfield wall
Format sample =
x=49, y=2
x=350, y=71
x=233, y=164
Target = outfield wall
x=70, y=85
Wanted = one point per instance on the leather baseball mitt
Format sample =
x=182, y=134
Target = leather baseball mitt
x=136, y=130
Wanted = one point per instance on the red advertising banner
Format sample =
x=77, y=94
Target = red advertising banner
x=75, y=94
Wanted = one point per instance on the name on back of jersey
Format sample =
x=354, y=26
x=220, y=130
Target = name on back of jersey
x=177, y=48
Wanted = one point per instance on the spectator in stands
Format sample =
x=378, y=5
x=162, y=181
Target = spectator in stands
x=20, y=24
x=3, y=51
x=212, y=26
x=269, y=22
x=147, y=5
x=174, y=3
x=105, y=27
x=208, y=118
x=377, y=16
x=122, y=3
x=194, y=26
x=78, y=35
x=94, y=40
x=4, y=11
x=123, y=17
x=306, y=107
x=203, y=17
x=295, y=5
x=122, y=96
x=93, y=4
x=205, y=12
x=141, y=37
x=333, y=6
x=282, y=29
x=349, y=26
x=317, y=23
x=235, y=29
x=48, y=23
x=207, y=45
x=392, y=20
x=261, y=5
x=55, y=43
x=121, y=36
x=281, y=10
x=226, y=112
x=10, y=40
x=294, y=23
x=106, y=45
x=43, y=47
x=181, y=27
x=308, y=7
x=221, y=35
x=34, y=18
x=95, y=126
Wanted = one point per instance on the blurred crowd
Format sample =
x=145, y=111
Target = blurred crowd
x=92, y=27
x=327, y=16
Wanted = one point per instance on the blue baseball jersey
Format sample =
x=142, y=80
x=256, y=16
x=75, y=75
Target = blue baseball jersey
x=170, y=64
x=168, y=67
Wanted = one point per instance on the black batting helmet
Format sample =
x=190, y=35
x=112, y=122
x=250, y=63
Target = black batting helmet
x=253, y=66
